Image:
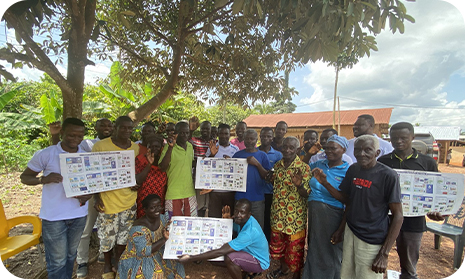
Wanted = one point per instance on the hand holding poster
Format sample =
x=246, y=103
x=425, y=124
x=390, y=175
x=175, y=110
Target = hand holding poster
x=423, y=192
x=89, y=173
x=196, y=235
x=221, y=174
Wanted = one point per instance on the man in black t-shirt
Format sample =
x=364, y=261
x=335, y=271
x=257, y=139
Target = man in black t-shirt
x=369, y=190
x=405, y=157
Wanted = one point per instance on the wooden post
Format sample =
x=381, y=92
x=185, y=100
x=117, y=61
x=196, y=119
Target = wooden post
x=335, y=94
x=339, y=116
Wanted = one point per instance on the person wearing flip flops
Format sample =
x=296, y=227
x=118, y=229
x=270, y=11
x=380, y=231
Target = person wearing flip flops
x=289, y=210
x=247, y=255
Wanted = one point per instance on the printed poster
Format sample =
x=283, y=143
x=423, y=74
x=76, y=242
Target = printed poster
x=423, y=192
x=221, y=174
x=196, y=235
x=89, y=173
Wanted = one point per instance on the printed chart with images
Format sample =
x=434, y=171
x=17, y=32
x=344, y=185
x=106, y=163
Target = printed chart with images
x=196, y=235
x=221, y=174
x=88, y=173
x=423, y=192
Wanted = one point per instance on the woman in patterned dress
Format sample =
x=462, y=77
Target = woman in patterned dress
x=143, y=256
x=150, y=178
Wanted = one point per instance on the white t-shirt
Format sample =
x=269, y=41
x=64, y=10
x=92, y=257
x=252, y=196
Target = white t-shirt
x=384, y=146
x=87, y=144
x=55, y=205
x=322, y=155
x=229, y=150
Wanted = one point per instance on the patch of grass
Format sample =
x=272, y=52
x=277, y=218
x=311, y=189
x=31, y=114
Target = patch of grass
x=17, y=187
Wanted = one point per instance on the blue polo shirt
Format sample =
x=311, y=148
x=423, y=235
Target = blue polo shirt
x=273, y=156
x=252, y=240
x=334, y=176
x=255, y=183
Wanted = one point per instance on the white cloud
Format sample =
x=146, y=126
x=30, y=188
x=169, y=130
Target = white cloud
x=410, y=69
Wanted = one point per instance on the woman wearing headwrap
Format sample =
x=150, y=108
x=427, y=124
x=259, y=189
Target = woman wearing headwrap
x=325, y=214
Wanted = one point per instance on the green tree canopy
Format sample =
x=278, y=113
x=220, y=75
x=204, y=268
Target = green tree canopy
x=234, y=51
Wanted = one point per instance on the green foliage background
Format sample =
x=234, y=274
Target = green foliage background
x=24, y=117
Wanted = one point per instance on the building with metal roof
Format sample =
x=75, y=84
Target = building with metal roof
x=319, y=121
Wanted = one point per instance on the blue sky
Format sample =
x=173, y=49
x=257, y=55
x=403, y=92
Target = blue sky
x=417, y=72
x=420, y=73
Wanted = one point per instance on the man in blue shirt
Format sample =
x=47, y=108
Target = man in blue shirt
x=257, y=169
x=248, y=252
x=266, y=137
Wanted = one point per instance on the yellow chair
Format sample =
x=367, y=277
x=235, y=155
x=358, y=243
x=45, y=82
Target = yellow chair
x=12, y=245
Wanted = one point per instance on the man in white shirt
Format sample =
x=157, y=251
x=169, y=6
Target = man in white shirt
x=103, y=127
x=365, y=125
x=222, y=149
x=63, y=219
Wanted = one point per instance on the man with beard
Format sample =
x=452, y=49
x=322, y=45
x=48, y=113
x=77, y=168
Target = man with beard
x=248, y=252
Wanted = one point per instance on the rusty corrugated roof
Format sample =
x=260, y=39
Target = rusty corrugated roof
x=315, y=119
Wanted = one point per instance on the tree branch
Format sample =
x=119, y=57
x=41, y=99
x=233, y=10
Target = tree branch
x=193, y=24
x=151, y=27
x=140, y=58
x=196, y=60
x=41, y=60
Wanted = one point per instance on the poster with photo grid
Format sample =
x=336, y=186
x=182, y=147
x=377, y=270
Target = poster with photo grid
x=221, y=174
x=89, y=173
x=423, y=192
x=196, y=235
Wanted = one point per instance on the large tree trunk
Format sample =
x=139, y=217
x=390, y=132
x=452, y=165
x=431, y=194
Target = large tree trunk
x=82, y=13
x=83, y=20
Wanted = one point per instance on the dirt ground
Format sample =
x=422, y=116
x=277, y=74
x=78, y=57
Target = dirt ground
x=19, y=199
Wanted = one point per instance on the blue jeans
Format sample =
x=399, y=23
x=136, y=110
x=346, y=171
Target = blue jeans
x=61, y=239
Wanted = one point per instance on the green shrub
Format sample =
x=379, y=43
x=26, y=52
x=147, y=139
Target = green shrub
x=15, y=153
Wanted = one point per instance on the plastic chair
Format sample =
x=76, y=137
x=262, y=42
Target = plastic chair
x=453, y=228
x=12, y=245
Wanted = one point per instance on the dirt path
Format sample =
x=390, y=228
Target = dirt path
x=19, y=200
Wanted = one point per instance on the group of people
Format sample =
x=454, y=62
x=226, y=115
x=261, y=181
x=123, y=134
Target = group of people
x=333, y=193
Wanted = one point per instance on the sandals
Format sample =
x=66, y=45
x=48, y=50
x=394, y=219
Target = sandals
x=253, y=275
x=108, y=275
x=276, y=274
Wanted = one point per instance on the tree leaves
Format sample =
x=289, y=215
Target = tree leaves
x=6, y=97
